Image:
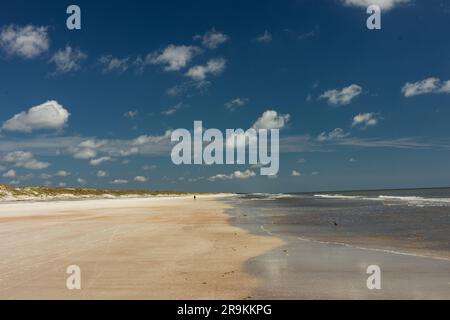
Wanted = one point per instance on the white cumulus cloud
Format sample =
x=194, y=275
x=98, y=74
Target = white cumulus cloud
x=119, y=181
x=296, y=173
x=101, y=174
x=342, y=97
x=272, y=120
x=68, y=60
x=242, y=175
x=49, y=115
x=173, y=58
x=62, y=173
x=111, y=64
x=213, y=66
x=366, y=119
x=25, y=160
x=24, y=41
x=85, y=154
x=140, y=179
x=236, y=103
x=10, y=174
x=383, y=4
x=429, y=85
x=99, y=161
x=212, y=39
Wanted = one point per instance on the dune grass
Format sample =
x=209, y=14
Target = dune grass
x=49, y=192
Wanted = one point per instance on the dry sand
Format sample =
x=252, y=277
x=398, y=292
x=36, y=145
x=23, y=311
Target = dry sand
x=163, y=248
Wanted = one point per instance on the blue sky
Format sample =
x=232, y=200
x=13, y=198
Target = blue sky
x=361, y=109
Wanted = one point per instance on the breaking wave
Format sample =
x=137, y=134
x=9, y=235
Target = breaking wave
x=411, y=200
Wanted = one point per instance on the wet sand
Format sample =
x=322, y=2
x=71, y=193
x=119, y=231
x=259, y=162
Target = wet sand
x=309, y=269
x=168, y=248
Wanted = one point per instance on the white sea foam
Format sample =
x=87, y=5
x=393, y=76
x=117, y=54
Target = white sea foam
x=395, y=252
x=410, y=200
x=271, y=196
x=337, y=196
x=342, y=244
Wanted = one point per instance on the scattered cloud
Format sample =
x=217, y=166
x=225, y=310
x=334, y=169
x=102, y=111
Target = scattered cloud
x=309, y=34
x=383, y=4
x=81, y=181
x=342, y=97
x=62, y=173
x=212, y=39
x=110, y=63
x=173, y=58
x=45, y=176
x=172, y=110
x=128, y=152
x=242, y=175
x=366, y=120
x=296, y=173
x=87, y=149
x=99, y=161
x=328, y=142
x=49, y=115
x=146, y=139
x=430, y=85
x=336, y=134
x=352, y=160
x=10, y=174
x=132, y=114
x=92, y=148
x=188, y=87
x=265, y=38
x=272, y=120
x=27, y=42
x=85, y=154
x=68, y=60
x=140, y=179
x=101, y=174
x=200, y=72
x=119, y=181
x=236, y=103
x=22, y=159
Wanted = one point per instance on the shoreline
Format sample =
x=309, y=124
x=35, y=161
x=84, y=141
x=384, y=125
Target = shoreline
x=308, y=268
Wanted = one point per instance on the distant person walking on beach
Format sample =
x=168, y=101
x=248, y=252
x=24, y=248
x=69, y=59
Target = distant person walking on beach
x=195, y=197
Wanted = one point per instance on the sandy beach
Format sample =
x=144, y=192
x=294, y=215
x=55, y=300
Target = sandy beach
x=178, y=248
x=161, y=248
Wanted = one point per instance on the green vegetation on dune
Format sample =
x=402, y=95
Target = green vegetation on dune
x=12, y=193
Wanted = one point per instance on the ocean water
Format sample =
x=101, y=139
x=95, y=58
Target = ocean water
x=330, y=239
x=413, y=221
